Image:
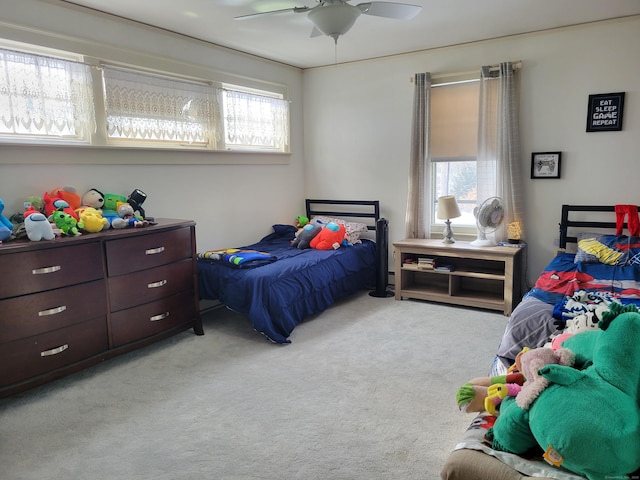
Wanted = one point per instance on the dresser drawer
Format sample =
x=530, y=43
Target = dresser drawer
x=146, y=320
x=32, y=356
x=137, y=288
x=41, y=312
x=147, y=251
x=46, y=269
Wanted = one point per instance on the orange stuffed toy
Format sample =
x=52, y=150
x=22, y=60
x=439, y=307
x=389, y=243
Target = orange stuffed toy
x=330, y=237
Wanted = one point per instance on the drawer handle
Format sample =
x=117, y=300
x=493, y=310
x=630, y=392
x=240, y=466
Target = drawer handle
x=162, y=316
x=41, y=271
x=161, y=283
x=153, y=251
x=54, y=351
x=52, y=311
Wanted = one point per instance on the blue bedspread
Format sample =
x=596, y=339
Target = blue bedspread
x=278, y=296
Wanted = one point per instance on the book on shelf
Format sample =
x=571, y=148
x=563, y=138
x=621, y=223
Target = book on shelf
x=444, y=268
x=425, y=263
x=512, y=245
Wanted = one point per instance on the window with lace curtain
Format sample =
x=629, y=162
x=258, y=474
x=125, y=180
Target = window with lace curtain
x=148, y=108
x=252, y=120
x=43, y=97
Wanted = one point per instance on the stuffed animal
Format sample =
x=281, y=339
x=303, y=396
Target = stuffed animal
x=305, y=235
x=67, y=224
x=37, y=225
x=36, y=202
x=68, y=194
x=330, y=237
x=127, y=218
x=53, y=203
x=110, y=207
x=93, y=198
x=92, y=219
x=587, y=420
x=301, y=221
x=6, y=227
x=473, y=396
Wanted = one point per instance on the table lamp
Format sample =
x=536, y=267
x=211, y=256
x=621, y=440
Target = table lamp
x=447, y=209
x=514, y=232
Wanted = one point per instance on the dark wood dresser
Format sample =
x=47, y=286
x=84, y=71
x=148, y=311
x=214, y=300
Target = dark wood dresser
x=71, y=302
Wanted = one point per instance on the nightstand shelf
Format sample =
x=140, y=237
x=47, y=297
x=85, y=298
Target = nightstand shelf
x=483, y=277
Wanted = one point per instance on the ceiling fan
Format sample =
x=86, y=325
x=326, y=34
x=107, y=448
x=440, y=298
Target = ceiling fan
x=335, y=17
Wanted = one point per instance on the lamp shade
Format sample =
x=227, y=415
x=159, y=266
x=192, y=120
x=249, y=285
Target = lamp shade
x=448, y=207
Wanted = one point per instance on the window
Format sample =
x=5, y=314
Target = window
x=147, y=108
x=43, y=97
x=454, y=145
x=49, y=97
x=253, y=120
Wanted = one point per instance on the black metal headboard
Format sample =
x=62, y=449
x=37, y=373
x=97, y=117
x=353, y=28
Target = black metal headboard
x=601, y=223
x=365, y=211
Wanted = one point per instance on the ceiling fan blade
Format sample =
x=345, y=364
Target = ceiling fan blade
x=274, y=12
x=400, y=11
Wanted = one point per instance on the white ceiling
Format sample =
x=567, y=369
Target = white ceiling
x=286, y=37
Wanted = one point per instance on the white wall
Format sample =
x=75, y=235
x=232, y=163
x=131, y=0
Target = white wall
x=357, y=121
x=232, y=204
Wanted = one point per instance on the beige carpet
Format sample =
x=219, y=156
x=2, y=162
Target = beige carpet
x=365, y=391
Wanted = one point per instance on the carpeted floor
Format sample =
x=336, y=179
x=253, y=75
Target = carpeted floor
x=365, y=391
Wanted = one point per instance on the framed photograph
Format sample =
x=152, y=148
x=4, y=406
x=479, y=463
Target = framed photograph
x=605, y=112
x=545, y=164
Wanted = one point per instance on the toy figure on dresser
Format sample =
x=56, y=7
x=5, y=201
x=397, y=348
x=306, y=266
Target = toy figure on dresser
x=93, y=198
x=136, y=199
x=37, y=225
x=53, y=203
x=127, y=218
x=68, y=194
x=6, y=227
x=92, y=220
x=110, y=207
x=67, y=224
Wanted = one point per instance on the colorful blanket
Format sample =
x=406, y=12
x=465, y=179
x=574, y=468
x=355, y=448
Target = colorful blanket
x=236, y=257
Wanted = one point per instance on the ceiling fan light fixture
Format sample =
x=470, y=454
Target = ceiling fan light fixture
x=335, y=19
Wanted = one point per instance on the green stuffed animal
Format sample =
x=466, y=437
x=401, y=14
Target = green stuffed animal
x=66, y=223
x=588, y=419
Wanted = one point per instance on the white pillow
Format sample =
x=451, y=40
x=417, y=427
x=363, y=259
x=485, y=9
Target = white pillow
x=354, y=229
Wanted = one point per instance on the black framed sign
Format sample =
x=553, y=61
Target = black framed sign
x=605, y=112
x=545, y=164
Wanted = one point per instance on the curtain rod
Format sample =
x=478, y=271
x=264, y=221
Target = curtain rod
x=492, y=68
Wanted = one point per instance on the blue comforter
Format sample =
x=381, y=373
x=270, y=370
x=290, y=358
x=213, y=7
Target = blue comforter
x=278, y=296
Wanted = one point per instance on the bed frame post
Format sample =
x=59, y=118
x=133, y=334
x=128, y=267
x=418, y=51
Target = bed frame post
x=382, y=259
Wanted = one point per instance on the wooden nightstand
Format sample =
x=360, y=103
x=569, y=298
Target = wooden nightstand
x=483, y=277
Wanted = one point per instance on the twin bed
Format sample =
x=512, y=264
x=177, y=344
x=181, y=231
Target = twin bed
x=605, y=267
x=278, y=286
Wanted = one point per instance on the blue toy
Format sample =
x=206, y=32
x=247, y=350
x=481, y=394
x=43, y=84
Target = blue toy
x=6, y=227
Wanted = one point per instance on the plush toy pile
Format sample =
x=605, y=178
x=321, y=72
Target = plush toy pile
x=62, y=211
x=579, y=403
x=318, y=235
